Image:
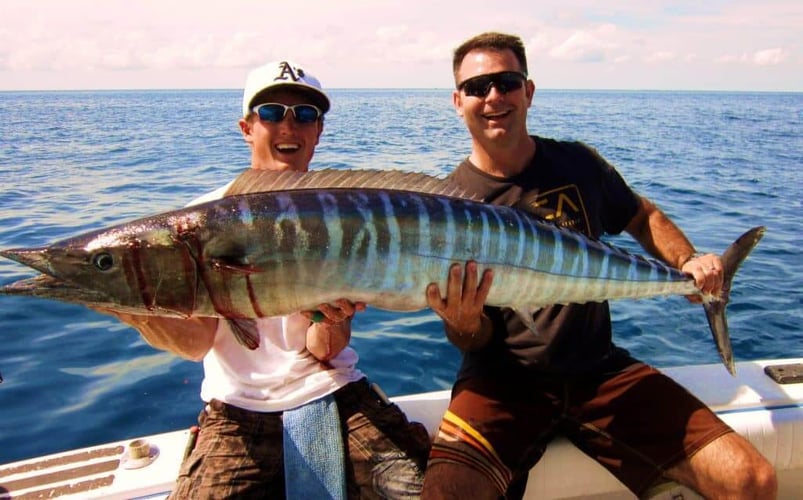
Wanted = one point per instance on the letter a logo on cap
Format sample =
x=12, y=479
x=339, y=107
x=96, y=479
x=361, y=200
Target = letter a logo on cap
x=282, y=74
x=288, y=73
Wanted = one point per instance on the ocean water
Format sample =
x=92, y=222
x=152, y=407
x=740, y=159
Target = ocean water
x=717, y=163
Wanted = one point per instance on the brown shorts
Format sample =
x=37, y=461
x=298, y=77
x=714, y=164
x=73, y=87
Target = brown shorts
x=636, y=422
x=239, y=453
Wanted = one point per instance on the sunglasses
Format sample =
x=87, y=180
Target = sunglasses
x=504, y=81
x=275, y=112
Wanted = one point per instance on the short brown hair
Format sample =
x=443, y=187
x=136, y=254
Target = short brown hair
x=493, y=41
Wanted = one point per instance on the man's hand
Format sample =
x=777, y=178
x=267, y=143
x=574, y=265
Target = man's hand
x=707, y=272
x=330, y=331
x=461, y=310
x=333, y=314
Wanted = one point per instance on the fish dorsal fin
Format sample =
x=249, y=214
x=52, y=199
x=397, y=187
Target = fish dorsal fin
x=260, y=181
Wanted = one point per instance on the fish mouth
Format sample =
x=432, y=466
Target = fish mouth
x=48, y=286
x=35, y=258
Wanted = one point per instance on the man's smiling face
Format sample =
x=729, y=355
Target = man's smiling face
x=496, y=116
x=286, y=145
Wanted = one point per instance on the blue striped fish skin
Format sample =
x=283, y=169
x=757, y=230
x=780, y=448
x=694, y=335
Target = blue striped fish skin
x=270, y=254
x=287, y=242
x=384, y=247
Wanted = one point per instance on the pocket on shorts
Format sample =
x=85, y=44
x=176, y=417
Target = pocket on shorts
x=189, y=465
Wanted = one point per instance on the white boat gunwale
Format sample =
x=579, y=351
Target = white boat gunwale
x=769, y=414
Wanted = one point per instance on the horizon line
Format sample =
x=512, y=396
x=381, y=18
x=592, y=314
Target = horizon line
x=449, y=89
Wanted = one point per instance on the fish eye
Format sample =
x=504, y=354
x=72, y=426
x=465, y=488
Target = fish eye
x=103, y=261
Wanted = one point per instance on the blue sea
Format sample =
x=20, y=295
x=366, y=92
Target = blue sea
x=718, y=163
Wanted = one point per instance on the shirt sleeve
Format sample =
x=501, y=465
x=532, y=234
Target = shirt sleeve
x=210, y=196
x=620, y=203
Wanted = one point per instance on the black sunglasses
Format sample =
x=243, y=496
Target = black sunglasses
x=274, y=112
x=504, y=81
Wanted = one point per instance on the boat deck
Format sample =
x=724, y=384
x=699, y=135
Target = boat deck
x=769, y=414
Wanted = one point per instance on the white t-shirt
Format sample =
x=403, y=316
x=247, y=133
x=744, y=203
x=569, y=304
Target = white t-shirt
x=281, y=373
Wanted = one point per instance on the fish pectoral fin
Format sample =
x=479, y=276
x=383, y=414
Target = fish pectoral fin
x=245, y=331
x=526, y=316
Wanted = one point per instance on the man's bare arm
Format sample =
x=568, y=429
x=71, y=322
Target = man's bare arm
x=189, y=338
x=664, y=240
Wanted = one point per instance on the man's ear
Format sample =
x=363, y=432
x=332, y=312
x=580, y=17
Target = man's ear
x=529, y=85
x=457, y=100
x=320, y=131
x=245, y=129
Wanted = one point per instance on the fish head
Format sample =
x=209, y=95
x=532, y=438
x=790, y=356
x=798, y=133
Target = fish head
x=145, y=264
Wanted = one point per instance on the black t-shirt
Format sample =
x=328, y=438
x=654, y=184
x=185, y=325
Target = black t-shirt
x=571, y=185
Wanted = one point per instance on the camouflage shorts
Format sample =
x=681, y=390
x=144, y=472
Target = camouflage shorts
x=239, y=453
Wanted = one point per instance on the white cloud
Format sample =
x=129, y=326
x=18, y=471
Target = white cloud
x=726, y=59
x=585, y=46
x=661, y=57
x=176, y=43
x=770, y=57
x=767, y=57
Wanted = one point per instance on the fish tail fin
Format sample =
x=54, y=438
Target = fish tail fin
x=715, y=308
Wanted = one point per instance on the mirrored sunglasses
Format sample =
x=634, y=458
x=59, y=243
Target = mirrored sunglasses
x=504, y=81
x=274, y=112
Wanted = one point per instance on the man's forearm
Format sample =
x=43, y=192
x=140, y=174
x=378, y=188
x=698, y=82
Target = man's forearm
x=188, y=338
x=659, y=236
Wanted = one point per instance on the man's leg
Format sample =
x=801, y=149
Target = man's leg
x=387, y=453
x=492, y=434
x=728, y=467
x=447, y=480
x=238, y=455
x=644, y=427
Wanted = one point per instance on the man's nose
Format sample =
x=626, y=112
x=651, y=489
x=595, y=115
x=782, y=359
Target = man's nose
x=493, y=92
x=289, y=120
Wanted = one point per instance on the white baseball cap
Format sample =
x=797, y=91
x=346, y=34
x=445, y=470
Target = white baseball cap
x=278, y=74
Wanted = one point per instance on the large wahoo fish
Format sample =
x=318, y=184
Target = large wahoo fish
x=280, y=243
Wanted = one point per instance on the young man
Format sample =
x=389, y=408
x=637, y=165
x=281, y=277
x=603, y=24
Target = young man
x=515, y=391
x=239, y=452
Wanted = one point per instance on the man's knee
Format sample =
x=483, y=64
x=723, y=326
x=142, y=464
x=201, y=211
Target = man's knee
x=755, y=474
x=759, y=479
x=731, y=467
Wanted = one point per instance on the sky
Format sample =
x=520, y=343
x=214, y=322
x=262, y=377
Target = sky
x=571, y=44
